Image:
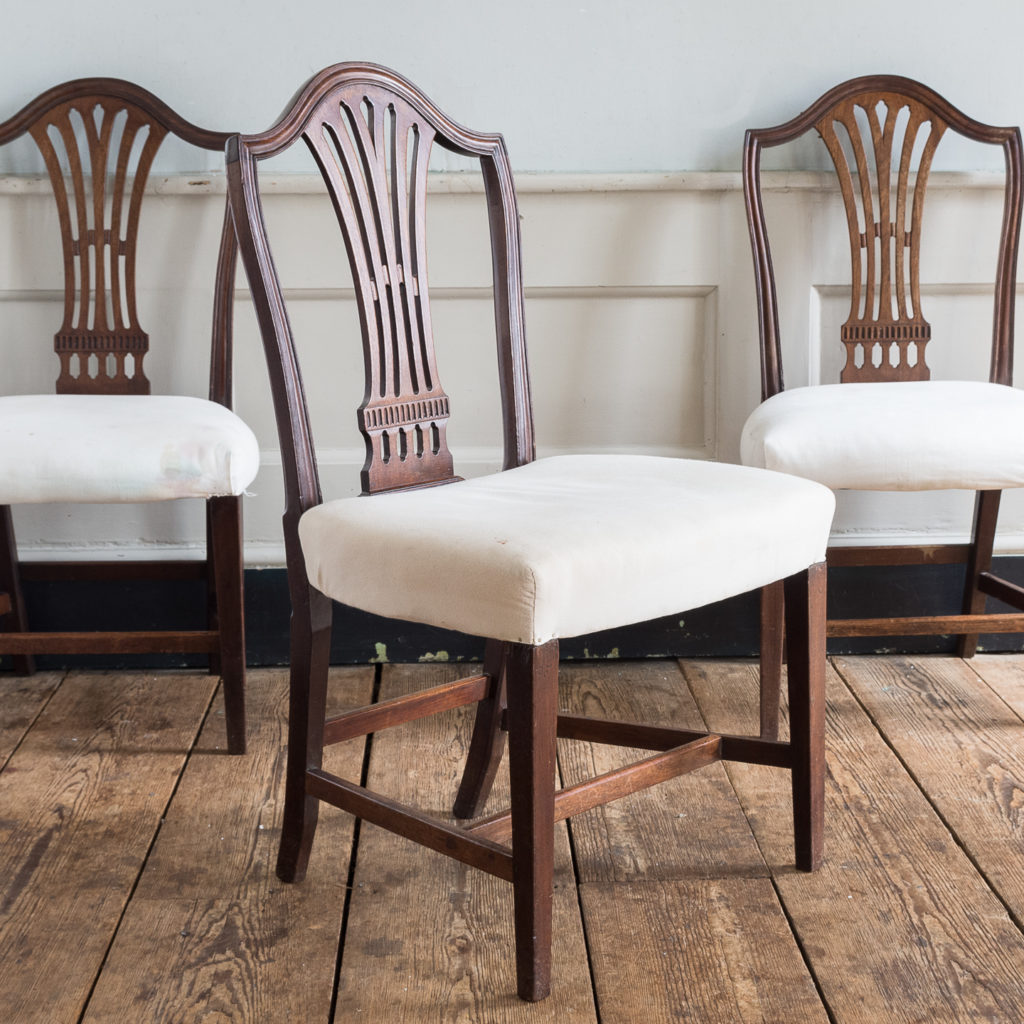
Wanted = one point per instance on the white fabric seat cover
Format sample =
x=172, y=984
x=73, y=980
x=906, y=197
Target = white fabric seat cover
x=896, y=436
x=566, y=545
x=116, y=448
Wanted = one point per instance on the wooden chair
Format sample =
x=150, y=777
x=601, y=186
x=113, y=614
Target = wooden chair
x=103, y=437
x=545, y=549
x=886, y=425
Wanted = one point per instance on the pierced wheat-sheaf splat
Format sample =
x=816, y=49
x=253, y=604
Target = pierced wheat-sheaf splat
x=98, y=153
x=882, y=147
x=373, y=151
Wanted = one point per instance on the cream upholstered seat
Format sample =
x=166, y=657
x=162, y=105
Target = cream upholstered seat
x=544, y=549
x=121, y=448
x=893, y=436
x=566, y=545
x=887, y=425
x=103, y=437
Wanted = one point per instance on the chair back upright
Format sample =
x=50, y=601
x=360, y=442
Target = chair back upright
x=881, y=132
x=98, y=138
x=370, y=132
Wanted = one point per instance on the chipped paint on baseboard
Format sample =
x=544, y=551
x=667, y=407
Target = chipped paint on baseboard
x=587, y=656
x=437, y=656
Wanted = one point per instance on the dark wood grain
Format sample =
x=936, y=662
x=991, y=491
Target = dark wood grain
x=881, y=132
x=182, y=641
x=226, y=609
x=98, y=138
x=370, y=133
x=773, y=636
x=410, y=823
x=596, y=729
x=385, y=714
x=532, y=689
x=488, y=742
x=340, y=114
x=924, y=104
x=805, y=642
x=616, y=784
x=428, y=937
x=897, y=554
x=10, y=583
x=978, y=579
x=928, y=625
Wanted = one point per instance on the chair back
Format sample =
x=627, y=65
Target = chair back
x=881, y=132
x=98, y=138
x=370, y=133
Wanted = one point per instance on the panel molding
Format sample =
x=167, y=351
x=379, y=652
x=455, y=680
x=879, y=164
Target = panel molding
x=590, y=238
x=469, y=182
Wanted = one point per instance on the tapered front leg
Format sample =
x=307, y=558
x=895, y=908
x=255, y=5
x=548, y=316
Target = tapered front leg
x=10, y=583
x=772, y=634
x=225, y=539
x=307, y=706
x=983, y=537
x=212, y=619
x=488, y=741
x=805, y=641
x=532, y=722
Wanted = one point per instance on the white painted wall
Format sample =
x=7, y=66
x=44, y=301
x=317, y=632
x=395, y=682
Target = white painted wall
x=575, y=85
x=649, y=271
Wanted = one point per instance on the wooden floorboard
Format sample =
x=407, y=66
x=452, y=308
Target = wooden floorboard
x=682, y=917
x=962, y=743
x=897, y=924
x=428, y=938
x=232, y=940
x=137, y=883
x=22, y=698
x=714, y=950
x=687, y=828
x=80, y=802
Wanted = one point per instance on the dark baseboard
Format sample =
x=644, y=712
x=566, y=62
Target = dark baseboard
x=726, y=629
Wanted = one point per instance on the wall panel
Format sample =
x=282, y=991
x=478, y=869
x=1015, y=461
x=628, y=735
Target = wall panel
x=640, y=317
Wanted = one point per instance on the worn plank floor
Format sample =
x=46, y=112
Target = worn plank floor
x=137, y=883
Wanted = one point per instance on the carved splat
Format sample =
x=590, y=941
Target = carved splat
x=374, y=151
x=878, y=127
x=882, y=146
x=98, y=152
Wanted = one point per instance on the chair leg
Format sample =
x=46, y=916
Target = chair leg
x=983, y=536
x=532, y=722
x=805, y=639
x=772, y=637
x=212, y=618
x=226, y=541
x=307, y=708
x=488, y=742
x=10, y=584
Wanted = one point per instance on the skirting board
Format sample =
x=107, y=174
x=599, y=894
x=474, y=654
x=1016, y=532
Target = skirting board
x=726, y=629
